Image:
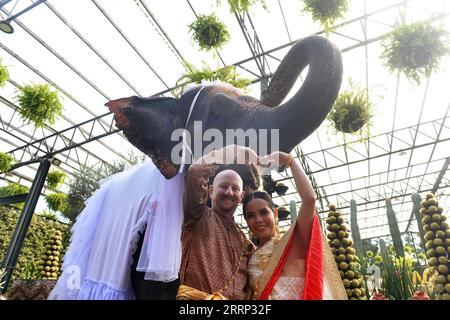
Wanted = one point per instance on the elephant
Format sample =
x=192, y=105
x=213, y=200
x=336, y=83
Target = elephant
x=148, y=123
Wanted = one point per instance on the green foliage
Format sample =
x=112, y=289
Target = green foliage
x=415, y=49
x=56, y=201
x=48, y=215
x=421, y=256
x=6, y=161
x=39, y=104
x=86, y=181
x=4, y=74
x=351, y=111
x=355, y=228
x=227, y=74
x=326, y=12
x=81, y=187
x=243, y=6
x=394, y=229
x=12, y=189
x=369, y=245
x=209, y=32
x=397, y=275
x=34, y=246
x=55, y=178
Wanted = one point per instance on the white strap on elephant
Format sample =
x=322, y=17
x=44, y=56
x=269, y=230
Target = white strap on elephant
x=186, y=148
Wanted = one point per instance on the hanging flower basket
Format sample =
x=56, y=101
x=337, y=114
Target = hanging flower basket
x=56, y=201
x=39, y=105
x=415, y=49
x=326, y=12
x=227, y=75
x=4, y=74
x=209, y=32
x=6, y=162
x=55, y=178
x=351, y=111
x=243, y=6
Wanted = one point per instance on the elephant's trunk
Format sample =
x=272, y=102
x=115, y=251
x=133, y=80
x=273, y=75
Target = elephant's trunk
x=305, y=111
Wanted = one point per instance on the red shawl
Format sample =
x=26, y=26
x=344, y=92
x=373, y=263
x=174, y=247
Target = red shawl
x=313, y=289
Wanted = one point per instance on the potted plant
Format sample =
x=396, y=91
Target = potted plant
x=415, y=49
x=39, y=104
x=209, y=32
x=326, y=12
x=4, y=74
x=351, y=111
x=397, y=275
x=227, y=74
x=6, y=162
x=243, y=6
x=56, y=201
x=55, y=178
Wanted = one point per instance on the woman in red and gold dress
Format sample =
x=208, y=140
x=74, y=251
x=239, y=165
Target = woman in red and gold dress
x=298, y=264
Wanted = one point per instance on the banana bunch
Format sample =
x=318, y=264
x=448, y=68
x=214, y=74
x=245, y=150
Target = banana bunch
x=49, y=265
x=344, y=254
x=437, y=237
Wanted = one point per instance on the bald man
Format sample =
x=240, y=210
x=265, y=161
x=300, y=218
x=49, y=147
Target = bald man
x=215, y=250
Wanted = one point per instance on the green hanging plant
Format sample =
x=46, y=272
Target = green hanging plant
x=415, y=49
x=243, y=6
x=326, y=12
x=6, y=162
x=4, y=74
x=351, y=111
x=39, y=105
x=227, y=74
x=55, y=178
x=209, y=32
x=56, y=201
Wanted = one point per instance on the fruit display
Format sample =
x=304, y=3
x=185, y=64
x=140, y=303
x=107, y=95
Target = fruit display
x=50, y=263
x=437, y=244
x=345, y=255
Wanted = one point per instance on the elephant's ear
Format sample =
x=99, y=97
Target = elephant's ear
x=225, y=106
x=117, y=107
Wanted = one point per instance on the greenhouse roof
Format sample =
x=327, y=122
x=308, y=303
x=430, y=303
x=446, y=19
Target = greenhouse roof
x=93, y=51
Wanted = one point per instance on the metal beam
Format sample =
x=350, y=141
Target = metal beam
x=15, y=244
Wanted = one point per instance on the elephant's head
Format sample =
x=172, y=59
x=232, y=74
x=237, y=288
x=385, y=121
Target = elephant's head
x=149, y=123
